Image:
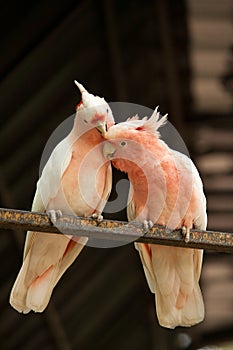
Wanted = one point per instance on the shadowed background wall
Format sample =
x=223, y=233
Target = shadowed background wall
x=175, y=54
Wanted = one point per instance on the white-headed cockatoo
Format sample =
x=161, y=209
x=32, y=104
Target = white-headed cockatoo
x=78, y=157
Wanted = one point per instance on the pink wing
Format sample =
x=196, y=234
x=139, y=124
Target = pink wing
x=173, y=273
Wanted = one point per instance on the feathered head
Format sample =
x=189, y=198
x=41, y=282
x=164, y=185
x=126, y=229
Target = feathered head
x=94, y=110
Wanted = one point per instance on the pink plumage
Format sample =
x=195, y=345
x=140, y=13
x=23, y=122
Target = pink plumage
x=67, y=184
x=165, y=189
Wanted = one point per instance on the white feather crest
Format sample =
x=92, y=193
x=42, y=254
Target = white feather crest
x=135, y=117
x=154, y=123
x=80, y=86
x=89, y=100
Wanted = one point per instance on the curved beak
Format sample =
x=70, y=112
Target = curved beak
x=109, y=150
x=101, y=127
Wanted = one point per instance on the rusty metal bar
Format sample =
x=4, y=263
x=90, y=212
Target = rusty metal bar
x=115, y=230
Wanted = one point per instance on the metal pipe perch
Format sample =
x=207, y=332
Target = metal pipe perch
x=114, y=230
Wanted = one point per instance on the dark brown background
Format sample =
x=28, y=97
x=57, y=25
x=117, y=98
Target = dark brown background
x=176, y=54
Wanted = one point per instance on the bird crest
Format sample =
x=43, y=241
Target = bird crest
x=150, y=125
x=154, y=123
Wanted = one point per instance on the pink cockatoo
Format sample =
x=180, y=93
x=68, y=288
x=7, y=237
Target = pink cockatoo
x=165, y=189
x=76, y=158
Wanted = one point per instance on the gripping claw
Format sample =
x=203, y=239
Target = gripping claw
x=54, y=215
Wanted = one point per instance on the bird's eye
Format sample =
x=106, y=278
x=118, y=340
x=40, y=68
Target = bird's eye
x=85, y=121
x=123, y=143
x=107, y=110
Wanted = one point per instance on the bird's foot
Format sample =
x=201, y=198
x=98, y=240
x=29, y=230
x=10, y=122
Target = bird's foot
x=97, y=217
x=147, y=225
x=186, y=233
x=54, y=215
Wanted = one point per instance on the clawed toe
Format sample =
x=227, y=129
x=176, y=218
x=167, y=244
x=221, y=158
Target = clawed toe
x=97, y=217
x=54, y=215
x=147, y=225
x=186, y=233
x=150, y=223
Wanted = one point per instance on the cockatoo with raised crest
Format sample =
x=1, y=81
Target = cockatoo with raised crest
x=47, y=256
x=165, y=189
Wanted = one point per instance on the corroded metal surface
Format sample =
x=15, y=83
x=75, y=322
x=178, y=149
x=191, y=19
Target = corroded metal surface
x=114, y=230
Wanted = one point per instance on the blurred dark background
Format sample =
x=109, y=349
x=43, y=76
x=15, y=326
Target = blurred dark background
x=173, y=53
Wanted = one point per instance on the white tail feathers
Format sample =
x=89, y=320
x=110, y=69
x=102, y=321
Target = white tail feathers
x=38, y=276
x=26, y=295
x=173, y=275
x=171, y=316
x=40, y=291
